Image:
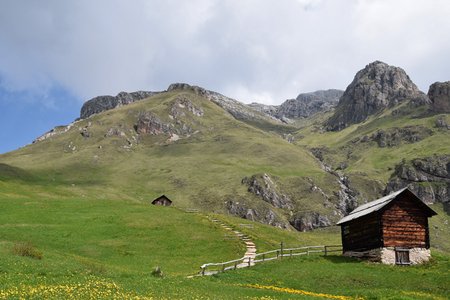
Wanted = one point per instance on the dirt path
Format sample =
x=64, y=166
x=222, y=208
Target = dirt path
x=250, y=253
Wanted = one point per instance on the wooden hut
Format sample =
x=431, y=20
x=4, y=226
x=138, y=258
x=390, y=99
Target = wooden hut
x=162, y=200
x=391, y=230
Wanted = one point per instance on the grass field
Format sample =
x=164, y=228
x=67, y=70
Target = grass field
x=107, y=249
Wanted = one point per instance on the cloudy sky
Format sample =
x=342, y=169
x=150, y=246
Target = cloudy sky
x=54, y=55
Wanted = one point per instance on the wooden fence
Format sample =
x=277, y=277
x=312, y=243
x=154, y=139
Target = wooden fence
x=213, y=268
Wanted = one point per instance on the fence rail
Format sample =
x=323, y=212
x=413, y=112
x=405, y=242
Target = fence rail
x=212, y=268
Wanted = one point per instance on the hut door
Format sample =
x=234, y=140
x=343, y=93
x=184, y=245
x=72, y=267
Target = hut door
x=402, y=257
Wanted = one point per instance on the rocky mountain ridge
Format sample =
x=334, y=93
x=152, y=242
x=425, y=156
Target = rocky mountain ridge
x=304, y=106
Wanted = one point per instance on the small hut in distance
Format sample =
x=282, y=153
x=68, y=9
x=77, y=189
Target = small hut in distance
x=162, y=200
x=391, y=230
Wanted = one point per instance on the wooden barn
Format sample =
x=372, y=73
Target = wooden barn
x=162, y=200
x=391, y=230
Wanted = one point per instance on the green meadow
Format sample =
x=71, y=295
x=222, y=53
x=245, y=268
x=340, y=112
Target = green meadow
x=108, y=249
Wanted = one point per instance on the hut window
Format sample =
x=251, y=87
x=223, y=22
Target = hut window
x=402, y=256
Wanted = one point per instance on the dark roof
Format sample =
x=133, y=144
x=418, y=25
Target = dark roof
x=161, y=197
x=378, y=204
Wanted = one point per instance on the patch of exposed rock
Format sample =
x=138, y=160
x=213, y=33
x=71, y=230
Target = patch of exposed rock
x=395, y=136
x=309, y=221
x=439, y=94
x=376, y=87
x=264, y=187
x=149, y=123
x=265, y=216
x=183, y=104
x=428, y=178
x=103, y=103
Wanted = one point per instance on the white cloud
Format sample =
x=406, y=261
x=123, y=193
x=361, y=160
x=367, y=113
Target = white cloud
x=260, y=50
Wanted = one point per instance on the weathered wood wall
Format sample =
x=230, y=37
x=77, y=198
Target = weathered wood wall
x=362, y=234
x=405, y=224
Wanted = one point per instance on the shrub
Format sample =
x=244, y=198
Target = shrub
x=26, y=249
x=156, y=272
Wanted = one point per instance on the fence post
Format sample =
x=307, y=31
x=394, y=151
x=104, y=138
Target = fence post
x=307, y=251
x=203, y=271
x=223, y=268
x=281, y=249
x=290, y=253
x=249, y=261
x=278, y=254
x=264, y=256
x=235, y=265
x=326, y=250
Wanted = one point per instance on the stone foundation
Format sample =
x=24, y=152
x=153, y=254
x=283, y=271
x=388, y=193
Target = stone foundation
x=387, y=255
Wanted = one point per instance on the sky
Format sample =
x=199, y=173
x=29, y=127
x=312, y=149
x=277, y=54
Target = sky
x=55, y=55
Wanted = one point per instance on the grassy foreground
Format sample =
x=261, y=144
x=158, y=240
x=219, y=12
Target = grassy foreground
x=75, y=248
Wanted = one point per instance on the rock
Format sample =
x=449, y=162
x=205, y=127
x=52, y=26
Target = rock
x=264, y=187
x=428, y=178
x=183, y=104
x=441, y=123
x=114, y=131
x=149, y=123
x=439, y=94
x=309, y=221
x=102, y=103
x=395, y=136
x=376, y=87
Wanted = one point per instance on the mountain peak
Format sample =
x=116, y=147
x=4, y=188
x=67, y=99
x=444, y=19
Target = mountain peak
x=374, y=88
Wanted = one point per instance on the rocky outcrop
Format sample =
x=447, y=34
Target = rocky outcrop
x=54, y=132
x=149, y=123
x=264, y=187
x=102, y=103
x=183, y=104
x=395, y=136
x=428, y=178
x=304, y=106
x=309, y=221
x=439, y=94
x=442, y=124
x=376, y=87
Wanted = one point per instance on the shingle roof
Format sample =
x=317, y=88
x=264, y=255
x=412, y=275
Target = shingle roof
x=370, y=207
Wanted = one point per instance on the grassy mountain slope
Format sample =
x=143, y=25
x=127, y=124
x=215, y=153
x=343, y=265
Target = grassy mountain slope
x=202, y=169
